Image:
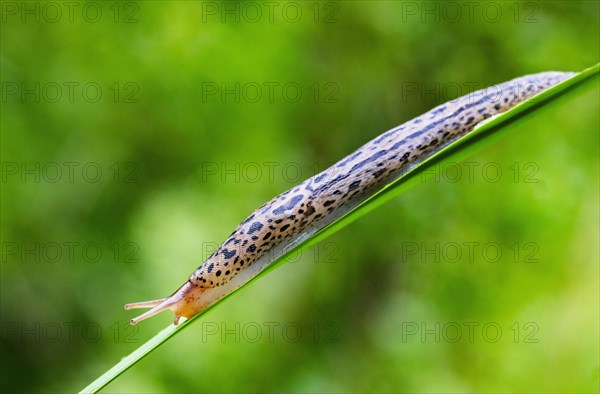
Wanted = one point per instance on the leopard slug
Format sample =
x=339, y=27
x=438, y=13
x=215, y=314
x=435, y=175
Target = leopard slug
x=295, y=215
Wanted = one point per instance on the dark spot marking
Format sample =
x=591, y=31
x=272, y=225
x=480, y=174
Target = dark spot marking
x=320, y=178
x=256, y=226
x=309, y=211
x=398, y=144
x=347, y=160
x=379, y=173
x=290, y=204
x=368, y=160
x=251, y=248
x=437, y=111
x=354, y=185
x=229, y=254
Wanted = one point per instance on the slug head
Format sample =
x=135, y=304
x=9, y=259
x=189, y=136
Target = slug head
x=186, y=302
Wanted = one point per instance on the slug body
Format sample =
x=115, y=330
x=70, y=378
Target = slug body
x=296, y=214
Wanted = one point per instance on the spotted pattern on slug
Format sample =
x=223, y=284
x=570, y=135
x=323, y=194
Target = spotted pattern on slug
x=371, y=166
x=316, y=201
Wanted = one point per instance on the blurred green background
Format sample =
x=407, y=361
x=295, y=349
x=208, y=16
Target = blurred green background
x=137, y=135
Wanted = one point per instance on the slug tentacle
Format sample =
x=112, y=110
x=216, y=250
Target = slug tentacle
x=155, y=305
x=293, y=216
x=144, y=304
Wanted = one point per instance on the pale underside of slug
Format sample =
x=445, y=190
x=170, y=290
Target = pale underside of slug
x=296, y=214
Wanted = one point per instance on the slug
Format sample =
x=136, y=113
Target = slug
x=293, y=216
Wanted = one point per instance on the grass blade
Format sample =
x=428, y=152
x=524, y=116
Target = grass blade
x=469, y=144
